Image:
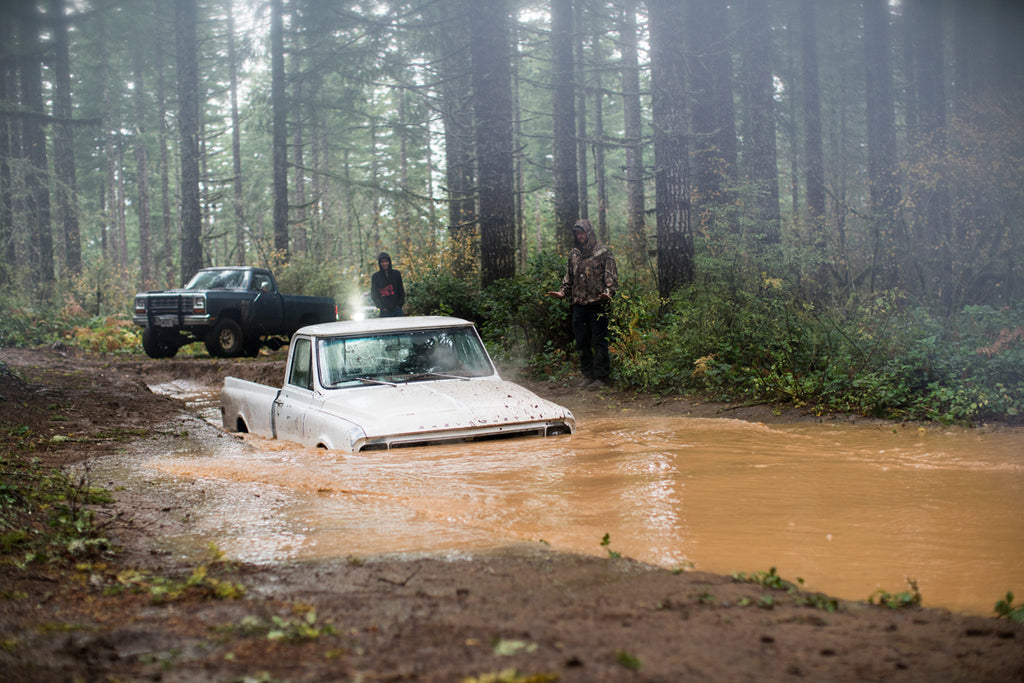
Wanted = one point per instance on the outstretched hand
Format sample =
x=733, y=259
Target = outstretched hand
x=557, y=295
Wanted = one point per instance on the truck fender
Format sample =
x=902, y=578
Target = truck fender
x=331, y=432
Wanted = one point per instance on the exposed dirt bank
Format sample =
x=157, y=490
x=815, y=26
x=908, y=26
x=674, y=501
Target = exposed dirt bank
x=524, y=614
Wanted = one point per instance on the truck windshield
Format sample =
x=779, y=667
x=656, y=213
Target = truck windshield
x=216, y=278
x=403, y=357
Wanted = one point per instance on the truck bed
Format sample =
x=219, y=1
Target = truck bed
x=247, y=406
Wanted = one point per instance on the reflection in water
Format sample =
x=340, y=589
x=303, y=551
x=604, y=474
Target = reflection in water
x=851, y=509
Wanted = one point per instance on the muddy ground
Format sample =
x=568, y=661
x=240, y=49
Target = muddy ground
x=130, y=612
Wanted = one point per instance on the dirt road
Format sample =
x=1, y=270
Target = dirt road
x=132, y=613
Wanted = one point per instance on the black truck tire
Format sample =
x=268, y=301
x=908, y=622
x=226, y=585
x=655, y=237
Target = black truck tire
x=158, y=344
x=251, y=347
x=225, y=339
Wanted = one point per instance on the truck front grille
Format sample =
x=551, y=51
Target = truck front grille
x=163, y=305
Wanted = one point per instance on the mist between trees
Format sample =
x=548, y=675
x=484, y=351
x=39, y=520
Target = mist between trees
x=835, y=181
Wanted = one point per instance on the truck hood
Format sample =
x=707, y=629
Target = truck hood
x=439, y=405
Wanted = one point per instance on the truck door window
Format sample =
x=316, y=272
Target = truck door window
x=260, y=282
x=300, y=374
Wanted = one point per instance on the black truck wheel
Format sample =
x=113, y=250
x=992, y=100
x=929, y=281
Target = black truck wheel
x=158, y=344
x=251, y=347
x=225, y=339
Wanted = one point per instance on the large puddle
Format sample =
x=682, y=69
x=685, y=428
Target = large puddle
x=850, y=509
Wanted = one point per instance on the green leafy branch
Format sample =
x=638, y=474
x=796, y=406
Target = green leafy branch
x=1006, y=610
x=769, y=579
x=607, y=541
x=908, y=598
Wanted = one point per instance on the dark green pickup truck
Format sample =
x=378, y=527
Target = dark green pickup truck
x=234, y=310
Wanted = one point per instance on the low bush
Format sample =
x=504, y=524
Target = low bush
x=518, y=319
x=885, y=357
x=739, y=336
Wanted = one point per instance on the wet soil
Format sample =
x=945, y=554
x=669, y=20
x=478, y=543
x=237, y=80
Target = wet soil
x=525, y=614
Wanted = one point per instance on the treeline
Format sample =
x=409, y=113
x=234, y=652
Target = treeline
x=830, y=154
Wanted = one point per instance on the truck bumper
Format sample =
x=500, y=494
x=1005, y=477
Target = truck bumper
x=172, y=321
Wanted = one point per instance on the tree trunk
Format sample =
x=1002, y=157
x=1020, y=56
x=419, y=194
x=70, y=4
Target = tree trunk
x=600, y=172
x=318, y=149
x=636, y=218
x=492, y=104
x=712, y=111
x=1007, y=24
x=887, y=233
x=146, y=280
x=298, y=231
x=931, y=193
x=280, y=133
x=121, y=203
x=457, y=116
x=399, y=131
x=63, y=142
x=723, y=93
x=759, y=99
x=790, y=124
x=928, y=60
x=567, y=201
x=671, y=181
x=185, y=20
x=814, y=160
x=581, y=110
x=237, y=199
x=164, y=261
x=37, y=193
x=376, y=202
x=7, y=130
x=522, y=244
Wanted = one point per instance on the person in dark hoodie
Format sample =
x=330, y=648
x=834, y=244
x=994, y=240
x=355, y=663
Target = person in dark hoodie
x=386, y=288
x=591, y=278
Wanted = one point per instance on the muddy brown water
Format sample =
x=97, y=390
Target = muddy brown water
x=850, y=509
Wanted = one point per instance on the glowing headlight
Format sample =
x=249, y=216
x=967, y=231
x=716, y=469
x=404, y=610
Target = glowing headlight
x=355, y=307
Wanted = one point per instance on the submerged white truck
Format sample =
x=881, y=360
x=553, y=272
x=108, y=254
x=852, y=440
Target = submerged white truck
x=388, y=382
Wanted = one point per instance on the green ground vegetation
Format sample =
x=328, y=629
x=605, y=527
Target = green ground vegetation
x=763, y=339
x=734, y=334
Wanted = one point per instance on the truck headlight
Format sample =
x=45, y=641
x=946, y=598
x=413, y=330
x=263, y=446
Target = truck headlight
x=199, y=305
x=140, y=305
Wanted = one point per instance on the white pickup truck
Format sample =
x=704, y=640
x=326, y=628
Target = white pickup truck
x=387, y=382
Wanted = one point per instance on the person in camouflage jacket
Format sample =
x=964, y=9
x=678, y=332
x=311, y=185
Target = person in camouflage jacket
x=591, y=278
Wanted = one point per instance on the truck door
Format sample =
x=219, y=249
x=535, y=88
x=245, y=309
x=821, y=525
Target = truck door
x=295, y=398
x=267, y=315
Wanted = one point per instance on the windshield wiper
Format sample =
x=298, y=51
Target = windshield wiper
x=428, y=375
x=370, y=380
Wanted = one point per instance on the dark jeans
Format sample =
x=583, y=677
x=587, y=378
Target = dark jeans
x=590, y=327
x=391, y=312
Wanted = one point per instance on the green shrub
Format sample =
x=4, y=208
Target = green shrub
x=438, y=292
x=736, y=334
x=24, y=324
x=638, y=344
x=110, y=334
x=517, y=316
x=309, y=278
x=885, y=357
